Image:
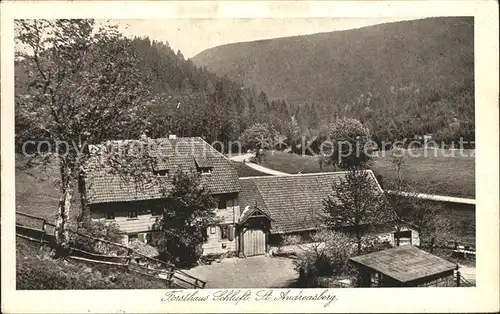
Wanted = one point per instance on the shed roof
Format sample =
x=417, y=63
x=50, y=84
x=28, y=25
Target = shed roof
x=404, y=263
x=103, y=185
x=251, y=212
x=294, y=202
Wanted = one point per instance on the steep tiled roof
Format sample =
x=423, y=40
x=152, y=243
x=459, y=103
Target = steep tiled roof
x=294, y=202
x=203, y=162
x=404, y=263
x=104, y=186
x=250, y=196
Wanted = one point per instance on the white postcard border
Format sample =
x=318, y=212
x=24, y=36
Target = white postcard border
x=484, y=297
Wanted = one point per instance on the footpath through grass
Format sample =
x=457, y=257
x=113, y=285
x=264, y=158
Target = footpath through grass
x=293, y=163
x=245, y=171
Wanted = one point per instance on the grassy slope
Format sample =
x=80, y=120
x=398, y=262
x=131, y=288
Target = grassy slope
x=35, y=270
x=452, y=176
x=37, y=191
x=245, y=171
x=337, y=67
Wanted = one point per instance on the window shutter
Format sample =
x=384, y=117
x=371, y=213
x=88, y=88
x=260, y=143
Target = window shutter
x=230, y=233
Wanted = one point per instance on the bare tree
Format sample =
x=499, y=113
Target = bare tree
x=431, y=222
x=407, y=206
x=400, y=195
x=355, y=202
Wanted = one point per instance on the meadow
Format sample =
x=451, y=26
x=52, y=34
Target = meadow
x=430, y=171
x=37, y=190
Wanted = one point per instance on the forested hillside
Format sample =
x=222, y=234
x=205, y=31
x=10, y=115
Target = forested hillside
x=184, y=99
x=400, y=78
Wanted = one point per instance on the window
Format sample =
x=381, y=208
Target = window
x=132, y=237
x=132, y=214
x=230, y=203
x=224, y=232
x=204, y=234
x=205, y=170
x=161, y=173
x=222, y=203
x=203, y=164
x=110, y=215
x=157, y=210
x=404, y=237
x=376, y=279
x=212, y=230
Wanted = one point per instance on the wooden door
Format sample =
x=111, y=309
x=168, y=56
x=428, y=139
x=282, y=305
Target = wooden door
x=254, y=242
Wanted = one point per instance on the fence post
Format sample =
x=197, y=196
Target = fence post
x=43, y=231
x=170, y=272
x=458, y=277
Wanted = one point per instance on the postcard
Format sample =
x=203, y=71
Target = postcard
x=249, y=156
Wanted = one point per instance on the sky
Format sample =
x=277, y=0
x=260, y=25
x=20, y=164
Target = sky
x=191, y=36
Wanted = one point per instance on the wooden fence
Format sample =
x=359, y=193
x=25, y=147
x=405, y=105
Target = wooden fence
x=40, y=230
x=457, y=248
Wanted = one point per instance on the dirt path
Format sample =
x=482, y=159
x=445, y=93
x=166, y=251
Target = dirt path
x=246, y=157
x=251, y=272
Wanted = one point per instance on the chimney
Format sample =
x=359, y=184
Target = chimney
x=172, y=136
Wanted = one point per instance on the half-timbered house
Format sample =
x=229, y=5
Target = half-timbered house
x=134, y=207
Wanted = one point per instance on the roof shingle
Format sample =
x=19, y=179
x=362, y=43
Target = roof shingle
x=405, y=263
x=102, y=185
x=294, y=202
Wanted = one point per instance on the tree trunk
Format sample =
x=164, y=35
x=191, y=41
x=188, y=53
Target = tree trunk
x=398, y=230
x=84, y=213
x=62, y=222
x=358, y=238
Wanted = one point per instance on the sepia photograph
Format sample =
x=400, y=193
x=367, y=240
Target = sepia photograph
x=239, y=153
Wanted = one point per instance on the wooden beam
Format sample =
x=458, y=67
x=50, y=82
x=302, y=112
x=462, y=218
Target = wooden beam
x=28, y=215
x=97, y=262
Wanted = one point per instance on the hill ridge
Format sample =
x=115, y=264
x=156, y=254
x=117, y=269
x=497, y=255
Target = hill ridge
x=419, y=71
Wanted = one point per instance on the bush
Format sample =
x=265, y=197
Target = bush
x=100, y=230
x=328, y=256
x=373, y=244
x=291, y=240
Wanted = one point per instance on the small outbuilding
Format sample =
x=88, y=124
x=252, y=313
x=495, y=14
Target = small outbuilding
x=404, y=266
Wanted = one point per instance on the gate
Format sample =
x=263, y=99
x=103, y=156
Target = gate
x=254, y=242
